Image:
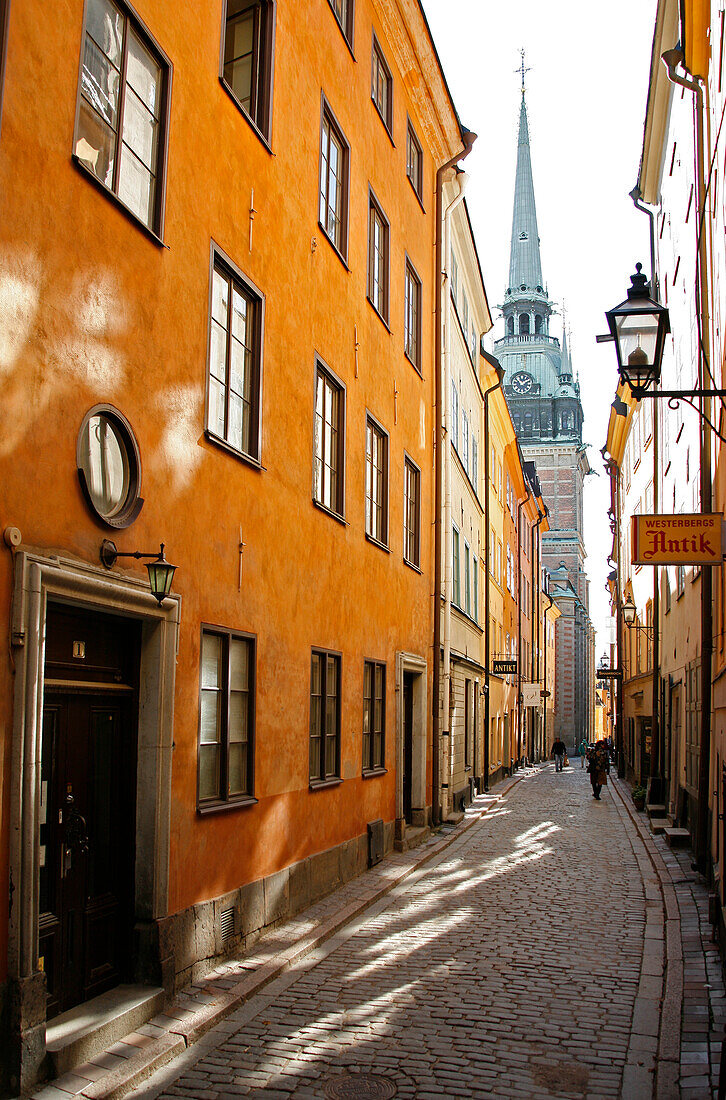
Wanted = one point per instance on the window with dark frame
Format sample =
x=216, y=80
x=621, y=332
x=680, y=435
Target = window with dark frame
x=414, y=160
x=374, y=716
x=226, y=717
x=376, y=482
x=344, y=10
x=328, y=441
x=411, y=513
x=123, y=106
x=333, y=204
x=247, y=58
x=324, y=716
x=382, y=86
x=235, y=354
x=412, y=316
x=378, y=263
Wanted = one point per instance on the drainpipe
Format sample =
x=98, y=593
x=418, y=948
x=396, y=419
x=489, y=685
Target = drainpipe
x=520, y=506
x=672, y=58
x=441, y=297
x=657, y=750
x=487, y=563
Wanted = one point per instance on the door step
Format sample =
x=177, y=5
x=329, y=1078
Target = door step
x=660, y=824
x=82, y=1032
x=677, y=838
x=655, y=809
x=412, y=838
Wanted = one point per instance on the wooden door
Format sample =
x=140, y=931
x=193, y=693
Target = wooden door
x=87, y=835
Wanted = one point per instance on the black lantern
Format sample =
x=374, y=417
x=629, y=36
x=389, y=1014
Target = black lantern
x=629, y=612
x=161, y=572
x=604, y=662
x=639, y=326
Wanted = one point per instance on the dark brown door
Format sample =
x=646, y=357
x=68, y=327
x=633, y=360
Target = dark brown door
x=87, y=836
x=407, y=744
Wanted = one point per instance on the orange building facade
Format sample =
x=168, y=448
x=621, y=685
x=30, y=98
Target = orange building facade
x=217, y=240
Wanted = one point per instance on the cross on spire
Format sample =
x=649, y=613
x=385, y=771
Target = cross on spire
x=523, y=69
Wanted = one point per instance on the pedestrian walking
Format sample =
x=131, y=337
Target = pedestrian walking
x=559, y=748
x=598, y=767
x=584, y=746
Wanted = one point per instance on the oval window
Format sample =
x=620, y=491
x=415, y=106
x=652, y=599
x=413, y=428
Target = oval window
x=107, y=458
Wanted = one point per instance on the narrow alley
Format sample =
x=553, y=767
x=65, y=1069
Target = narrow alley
x=528, y=958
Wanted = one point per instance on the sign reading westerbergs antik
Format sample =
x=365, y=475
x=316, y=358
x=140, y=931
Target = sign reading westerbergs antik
x=676, y=540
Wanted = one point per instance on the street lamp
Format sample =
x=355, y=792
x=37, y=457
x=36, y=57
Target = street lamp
x=639, y=326
x=629, y=612
x=161, y=572
x=604, y=663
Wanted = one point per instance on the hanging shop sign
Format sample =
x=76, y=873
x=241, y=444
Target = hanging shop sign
x=531, y=695
x=608, y=674
x=504, y=668
x=676, y=540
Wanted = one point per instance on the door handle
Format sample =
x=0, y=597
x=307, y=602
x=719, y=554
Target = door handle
x=76, y=832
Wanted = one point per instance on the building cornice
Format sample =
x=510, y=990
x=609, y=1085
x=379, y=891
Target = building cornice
x=660, y=92
x=409, y=39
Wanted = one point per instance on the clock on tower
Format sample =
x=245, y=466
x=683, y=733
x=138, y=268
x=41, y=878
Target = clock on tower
x=522, y=382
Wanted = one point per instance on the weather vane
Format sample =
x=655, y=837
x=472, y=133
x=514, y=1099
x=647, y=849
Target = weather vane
x=522, y=69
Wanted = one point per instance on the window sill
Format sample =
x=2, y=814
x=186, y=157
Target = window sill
x=378, y=314
x=415, y=568
x=386, y=127
x=224, y=446
x=329, y=512
x=250, y=121
x=376, y=542
x=415, y=366
x=150, y=233
x=205, y=809
x=324, y=784
x=341, y=28
x=334, y=246
x=419, y=199
x=373, y=773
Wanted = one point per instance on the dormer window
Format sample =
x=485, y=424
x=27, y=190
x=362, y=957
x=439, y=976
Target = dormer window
x=523, y=236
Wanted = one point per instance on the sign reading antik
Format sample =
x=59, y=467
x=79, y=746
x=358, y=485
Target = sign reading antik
x=676, y=540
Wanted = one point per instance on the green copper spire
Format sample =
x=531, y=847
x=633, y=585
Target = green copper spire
x=525, y=266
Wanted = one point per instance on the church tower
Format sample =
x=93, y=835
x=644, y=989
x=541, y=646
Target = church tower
x=544, y=400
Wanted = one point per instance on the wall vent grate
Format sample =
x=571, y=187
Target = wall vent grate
x=226, y=924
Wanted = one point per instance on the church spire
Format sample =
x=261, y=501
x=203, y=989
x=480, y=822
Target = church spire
x=525, y=266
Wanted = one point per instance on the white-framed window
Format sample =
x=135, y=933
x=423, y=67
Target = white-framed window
x=455, y=571
x=454, y=415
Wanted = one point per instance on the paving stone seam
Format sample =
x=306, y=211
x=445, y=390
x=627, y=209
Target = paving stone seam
x=200, y=1020
x=665, y=1082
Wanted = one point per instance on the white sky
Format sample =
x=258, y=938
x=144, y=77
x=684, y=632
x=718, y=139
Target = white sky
x=586, y=97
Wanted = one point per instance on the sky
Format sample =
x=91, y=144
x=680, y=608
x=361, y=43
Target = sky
x=586, y=95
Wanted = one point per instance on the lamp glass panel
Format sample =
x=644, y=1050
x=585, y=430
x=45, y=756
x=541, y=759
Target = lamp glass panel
x=639, y=330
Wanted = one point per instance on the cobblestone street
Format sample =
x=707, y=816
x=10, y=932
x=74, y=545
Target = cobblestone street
x=526, y=959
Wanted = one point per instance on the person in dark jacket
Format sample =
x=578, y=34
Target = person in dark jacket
x=597, y=765
x=559, y=748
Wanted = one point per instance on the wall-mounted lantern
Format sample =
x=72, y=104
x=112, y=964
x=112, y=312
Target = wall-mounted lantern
x=161, y=572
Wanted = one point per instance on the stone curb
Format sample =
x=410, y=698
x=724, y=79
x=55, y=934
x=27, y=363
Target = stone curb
x=188, y=1025
x=667, y=1063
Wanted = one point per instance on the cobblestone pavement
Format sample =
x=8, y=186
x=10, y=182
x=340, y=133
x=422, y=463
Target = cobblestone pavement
x=525, y=960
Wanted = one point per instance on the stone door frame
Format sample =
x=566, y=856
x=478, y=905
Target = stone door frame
x=411, y=662
x=39, y=579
